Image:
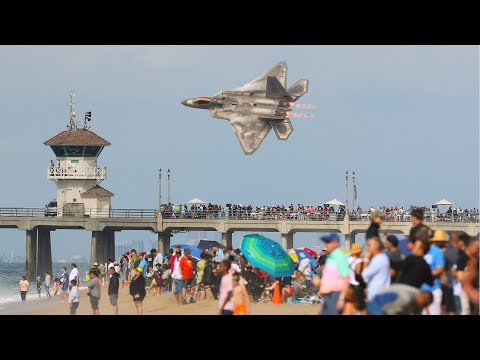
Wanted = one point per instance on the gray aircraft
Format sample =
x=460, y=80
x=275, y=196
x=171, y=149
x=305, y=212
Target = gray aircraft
x=254, y=108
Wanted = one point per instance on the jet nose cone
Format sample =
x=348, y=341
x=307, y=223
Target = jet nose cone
x=184, y=102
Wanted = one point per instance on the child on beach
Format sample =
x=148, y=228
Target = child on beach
x=39, y=287
x=47, y=284
x=241, y=299
x=56, y=286
x=23, y=284
x=73, y=297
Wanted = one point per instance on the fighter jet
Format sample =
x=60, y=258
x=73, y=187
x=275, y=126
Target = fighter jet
x=254, y=108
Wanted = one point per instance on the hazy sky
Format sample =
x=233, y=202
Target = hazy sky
x=405, y=118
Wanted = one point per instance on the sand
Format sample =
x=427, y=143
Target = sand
x=153, y=305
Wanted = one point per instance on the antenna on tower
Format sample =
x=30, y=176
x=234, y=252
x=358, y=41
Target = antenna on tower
x=72, y=124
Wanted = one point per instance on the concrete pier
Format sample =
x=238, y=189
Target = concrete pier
x=287, y=240
x=164, y=242
x=349, y=240
x=102, y=246
x=44, y=251
x=31, y=255
x=227, y=238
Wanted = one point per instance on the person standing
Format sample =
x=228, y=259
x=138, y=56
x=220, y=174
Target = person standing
x=414, y=270
x=186, y=267
x=64, y=283
x=47, y=284
x=335, y=277
x=436, y=261
x=416, y=216
x=39, y=287
x=241, y=299
x=177, y=276
x=225, y=299
x=373, y=230
x=143, y=264
x=23, y=285
x=74, y=275
x=355, y=299
x=113, y=286
x=376, y=271
x=94, y=290
x=394, y=255
x=102, y=271
x=218, y=255
x=73, y=297
x=137, y=290
x=158, y=258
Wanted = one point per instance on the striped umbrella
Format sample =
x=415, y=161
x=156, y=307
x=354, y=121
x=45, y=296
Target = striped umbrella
x=310, y=252
x=298, y=255
x=267, y=255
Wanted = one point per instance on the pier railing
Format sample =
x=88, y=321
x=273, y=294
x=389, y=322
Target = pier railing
x=230, y=215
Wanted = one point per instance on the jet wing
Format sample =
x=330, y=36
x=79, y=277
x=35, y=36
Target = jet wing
x=250, y=131
x=260, y=84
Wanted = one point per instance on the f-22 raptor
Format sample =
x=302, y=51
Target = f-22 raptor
x=254, y=108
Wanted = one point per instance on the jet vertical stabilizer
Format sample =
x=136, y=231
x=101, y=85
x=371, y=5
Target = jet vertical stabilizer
x=297, y=90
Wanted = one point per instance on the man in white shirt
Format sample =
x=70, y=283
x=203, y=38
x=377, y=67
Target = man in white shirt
x=158, y=258
x=73, y=275
x=73, y=297
x=305, y=267
x=177, y=277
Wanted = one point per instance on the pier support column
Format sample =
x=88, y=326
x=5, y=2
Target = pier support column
x=227, y=238
x=349, y=240
x=164, y=242
x=109, y=243
x=287, y=241
x=31, y=255
x=98, y=249
x=44, y=250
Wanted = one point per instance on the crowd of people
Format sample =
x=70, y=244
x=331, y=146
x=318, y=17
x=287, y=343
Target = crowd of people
x=436, y=274
x=312, y=212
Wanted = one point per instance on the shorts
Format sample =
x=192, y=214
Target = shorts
x=94, y=302
x=189, y=282
x=113, y=299
x=178, y=287
x=240, y=309
x=39, y=290
x=47, y=288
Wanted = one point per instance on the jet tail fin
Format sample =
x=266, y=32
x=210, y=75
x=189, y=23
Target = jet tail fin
x=297, y=90
x=275, y=88
x=282, y=128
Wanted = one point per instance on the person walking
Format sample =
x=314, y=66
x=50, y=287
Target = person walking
x=73, y=297
x=74, y=275
x=335, y=277
x=39, y=287
x=101, y=269
x=137, y=290
x=47, y=284
x=177, y=276
x=225, y=299
x=376, y=272
x=64, y=283
x=23, y=285
x=113, y=286
x=94, y=290
x=186, y=267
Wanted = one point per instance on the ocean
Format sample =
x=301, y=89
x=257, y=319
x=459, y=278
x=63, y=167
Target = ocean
x=11, y=274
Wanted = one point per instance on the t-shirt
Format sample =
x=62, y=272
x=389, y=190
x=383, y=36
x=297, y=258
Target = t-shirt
x=226, y=285
x=334, y=272
x=353, y=262
x=414, y=271
x=434, y=258
x=74, y=295
x=414, y=230
x=396, y=257
x=451, y=258
x=93, y=287
x=234, y=268
x=47, y=280
x=158, y=259
x=23, y=285
x=73, y=274
x=64, y=281
x=143, y=265
x=398, y=299
x=101, y=268
x=305, y=267
x=377, y=274
x=186, y=265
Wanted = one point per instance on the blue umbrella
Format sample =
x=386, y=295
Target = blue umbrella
x=194, y=251
x=402, y=246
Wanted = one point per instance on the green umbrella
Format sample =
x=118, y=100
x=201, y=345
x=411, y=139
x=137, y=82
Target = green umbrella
x=268, y=255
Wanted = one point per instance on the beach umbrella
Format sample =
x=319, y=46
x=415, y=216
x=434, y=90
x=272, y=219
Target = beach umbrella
x=267, y=255
x=402, y=246
x=310, y=252
x=194, y=251
x=298, y=255
x=207, y=244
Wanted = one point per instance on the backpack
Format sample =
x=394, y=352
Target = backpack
x=208, y=274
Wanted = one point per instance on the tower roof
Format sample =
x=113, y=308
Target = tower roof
x=97, y=190
x=77, y=137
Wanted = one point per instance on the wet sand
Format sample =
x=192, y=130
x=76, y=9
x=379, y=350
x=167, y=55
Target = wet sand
x=152, y=305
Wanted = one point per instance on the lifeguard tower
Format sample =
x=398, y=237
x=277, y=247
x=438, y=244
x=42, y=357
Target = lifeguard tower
x=76, y=173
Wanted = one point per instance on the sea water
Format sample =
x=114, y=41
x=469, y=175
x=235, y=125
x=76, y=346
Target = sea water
x=11, y=274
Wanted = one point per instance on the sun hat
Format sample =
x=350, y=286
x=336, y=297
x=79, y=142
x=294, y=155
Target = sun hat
x=139, y=269
x=439, y=235
x=379, y=214
x=355, y=249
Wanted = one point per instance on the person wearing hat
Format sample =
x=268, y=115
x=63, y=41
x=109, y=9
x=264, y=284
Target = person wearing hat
x=39, y=287
x=436, y=261
x=93, y=286
x=355, y=299
x=335, y=277
x=377, y=218
x=137, y=289
x=394, y=255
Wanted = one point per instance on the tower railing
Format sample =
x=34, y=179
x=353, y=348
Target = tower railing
x=76, y=172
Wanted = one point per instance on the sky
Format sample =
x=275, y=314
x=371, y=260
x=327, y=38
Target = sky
x=404, y=118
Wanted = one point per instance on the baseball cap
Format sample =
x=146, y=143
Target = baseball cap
x=133, y=250
x=392, y=239
x=330, y=237
x=38, y=277
x=186, y=251
x=95, y=264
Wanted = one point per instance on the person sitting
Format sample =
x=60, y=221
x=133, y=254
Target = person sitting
x=296, y=289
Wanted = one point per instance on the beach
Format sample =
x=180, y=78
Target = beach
x=153, y=305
